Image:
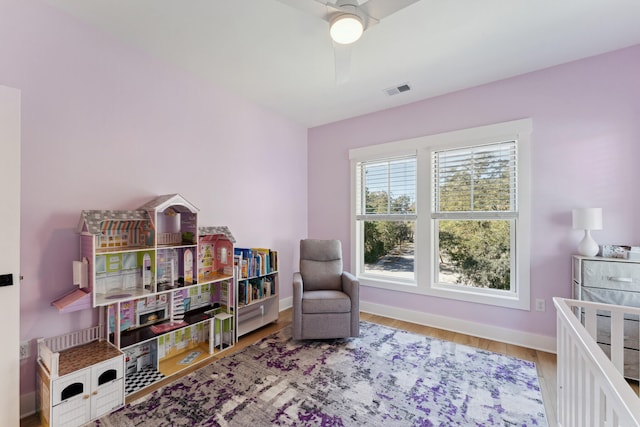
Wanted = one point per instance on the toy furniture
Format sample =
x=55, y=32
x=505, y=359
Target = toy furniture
x=80, y=378
x=167, y=297
x=325, y=298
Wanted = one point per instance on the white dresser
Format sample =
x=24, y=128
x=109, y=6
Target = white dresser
x=612, y=281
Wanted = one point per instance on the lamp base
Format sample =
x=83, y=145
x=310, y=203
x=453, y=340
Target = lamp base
x=588, y=246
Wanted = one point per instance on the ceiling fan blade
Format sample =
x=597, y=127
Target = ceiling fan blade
x=379, y=9
x=323, y=9
x=342, y=58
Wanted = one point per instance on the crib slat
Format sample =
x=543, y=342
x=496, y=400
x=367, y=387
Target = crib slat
x=617, y=340
x=591, y=321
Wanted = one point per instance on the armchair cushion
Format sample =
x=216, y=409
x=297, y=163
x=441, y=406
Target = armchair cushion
x=326, y=302
x=321, y=264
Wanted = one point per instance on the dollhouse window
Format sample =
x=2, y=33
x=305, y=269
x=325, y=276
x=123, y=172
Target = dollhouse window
x=72, y=390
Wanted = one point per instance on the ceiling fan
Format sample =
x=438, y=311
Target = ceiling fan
x=348, y=19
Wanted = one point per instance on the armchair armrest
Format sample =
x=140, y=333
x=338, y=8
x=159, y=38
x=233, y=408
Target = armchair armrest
x=297, y=288
x=351, y=287
x=296, y=323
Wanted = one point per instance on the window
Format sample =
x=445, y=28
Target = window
x=474, y=212
x=386, y=216
x=446, y=215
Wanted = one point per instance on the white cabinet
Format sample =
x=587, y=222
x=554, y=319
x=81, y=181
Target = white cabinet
x=79, y=384
x=262, y=306
x=85, y=398
x=612, y=281
x=258, y=287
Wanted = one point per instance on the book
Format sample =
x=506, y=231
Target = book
x=246, y=255
x=265, y=259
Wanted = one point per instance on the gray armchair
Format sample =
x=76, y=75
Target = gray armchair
x=326, y=299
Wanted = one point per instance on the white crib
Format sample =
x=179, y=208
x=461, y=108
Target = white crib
x=591, y=388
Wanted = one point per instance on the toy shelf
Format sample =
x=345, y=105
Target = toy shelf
x=123, y=249
x=120, y=296
x=139, y=335
x=184, y=358
x=117, y=275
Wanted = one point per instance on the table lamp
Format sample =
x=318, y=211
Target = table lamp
x=587, y=219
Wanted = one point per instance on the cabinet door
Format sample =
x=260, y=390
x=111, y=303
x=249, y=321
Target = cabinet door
x=107, y=398
x=73, y=412
x=106, y=372
x=70, y=386
x=107, y=386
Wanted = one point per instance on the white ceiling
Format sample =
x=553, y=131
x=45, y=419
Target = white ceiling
x=282, y=58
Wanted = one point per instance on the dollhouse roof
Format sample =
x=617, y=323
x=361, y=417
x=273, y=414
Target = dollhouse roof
x=175, y=201
x=221, y=229
x=91, y=220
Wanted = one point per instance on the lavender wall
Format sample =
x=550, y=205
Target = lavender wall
x=106, y=127
x=586, y=149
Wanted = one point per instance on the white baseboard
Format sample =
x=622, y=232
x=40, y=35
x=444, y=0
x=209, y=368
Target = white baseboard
x=495, y=333
x=286, y=303
x=27, y=404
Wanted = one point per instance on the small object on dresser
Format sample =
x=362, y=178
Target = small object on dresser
x=587, y=219
x=634, y=253
x=616, y=251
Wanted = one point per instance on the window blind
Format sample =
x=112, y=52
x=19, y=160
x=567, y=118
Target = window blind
x=387, y=189
x=478, y=182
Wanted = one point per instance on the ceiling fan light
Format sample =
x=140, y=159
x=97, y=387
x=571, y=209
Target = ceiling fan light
x=346, y=28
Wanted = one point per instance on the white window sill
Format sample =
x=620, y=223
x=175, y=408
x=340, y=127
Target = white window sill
x=459, y=294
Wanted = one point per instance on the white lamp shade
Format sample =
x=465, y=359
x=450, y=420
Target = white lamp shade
x=346, y=28
x=587, y=219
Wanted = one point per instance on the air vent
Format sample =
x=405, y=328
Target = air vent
x=398, y=89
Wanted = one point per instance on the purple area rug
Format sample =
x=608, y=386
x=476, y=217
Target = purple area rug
x=385, y=377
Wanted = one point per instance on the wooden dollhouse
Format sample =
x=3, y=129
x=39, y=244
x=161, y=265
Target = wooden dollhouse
x=166, y=293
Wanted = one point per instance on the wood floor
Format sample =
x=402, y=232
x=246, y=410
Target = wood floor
x=545, y=362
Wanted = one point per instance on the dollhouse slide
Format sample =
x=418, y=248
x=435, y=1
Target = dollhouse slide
x=78, y=299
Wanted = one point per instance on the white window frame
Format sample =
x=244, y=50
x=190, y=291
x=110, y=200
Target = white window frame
x=358, y=224
x=425, y=265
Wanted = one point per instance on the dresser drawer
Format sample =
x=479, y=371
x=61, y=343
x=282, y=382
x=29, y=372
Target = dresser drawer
x=609, y=296
x=624, y=276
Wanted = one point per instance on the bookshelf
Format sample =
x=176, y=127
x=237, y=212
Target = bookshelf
x=258, y=288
